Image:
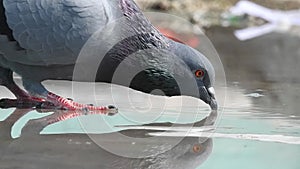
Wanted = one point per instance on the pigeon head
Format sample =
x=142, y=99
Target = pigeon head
x=174, y=69
x=191, y=152
x=200, y=70
x=178, y=70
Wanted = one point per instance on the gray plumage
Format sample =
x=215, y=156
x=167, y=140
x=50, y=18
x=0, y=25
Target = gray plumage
x=50, y=34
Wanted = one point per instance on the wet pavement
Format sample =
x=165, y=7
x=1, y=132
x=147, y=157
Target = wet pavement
x=33, y=150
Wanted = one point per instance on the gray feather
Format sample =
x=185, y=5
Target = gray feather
x=53, y=31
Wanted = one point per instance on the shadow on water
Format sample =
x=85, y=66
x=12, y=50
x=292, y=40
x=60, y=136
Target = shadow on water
x=32, y=150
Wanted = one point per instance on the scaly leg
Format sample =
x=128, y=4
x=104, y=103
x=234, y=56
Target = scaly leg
x=24, y=100
x=39, y=97
x=57, y=102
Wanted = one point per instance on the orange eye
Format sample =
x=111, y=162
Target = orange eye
x=197, y=148
x=199, y=73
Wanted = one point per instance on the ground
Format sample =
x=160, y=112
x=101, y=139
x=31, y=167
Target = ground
x=210, y=12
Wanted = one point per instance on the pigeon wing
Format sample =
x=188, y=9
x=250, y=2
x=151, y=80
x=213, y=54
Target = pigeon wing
x=52, y=31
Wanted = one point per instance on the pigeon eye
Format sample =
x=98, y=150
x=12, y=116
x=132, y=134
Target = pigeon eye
x=197, y=148
x=199, y=73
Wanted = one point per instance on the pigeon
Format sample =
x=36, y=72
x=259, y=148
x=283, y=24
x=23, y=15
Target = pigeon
x=43, y=40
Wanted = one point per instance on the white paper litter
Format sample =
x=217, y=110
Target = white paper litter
x=278, y=20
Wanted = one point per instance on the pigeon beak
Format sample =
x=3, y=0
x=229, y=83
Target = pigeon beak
x=211, y=92
x=208, y=96
x=213, y=103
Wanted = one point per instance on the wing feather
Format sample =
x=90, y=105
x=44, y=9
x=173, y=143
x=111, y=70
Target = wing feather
x=52, y=31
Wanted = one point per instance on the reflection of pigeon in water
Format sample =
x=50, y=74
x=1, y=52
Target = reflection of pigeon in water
x=79, y=151
x=190, y=153
x=42, y=40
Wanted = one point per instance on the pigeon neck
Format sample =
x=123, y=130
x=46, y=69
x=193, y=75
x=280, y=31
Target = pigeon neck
x=122, y=50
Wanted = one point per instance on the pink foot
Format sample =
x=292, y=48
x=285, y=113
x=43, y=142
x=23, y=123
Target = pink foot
x=67, y=104
x=59, y=116
x=56, y=102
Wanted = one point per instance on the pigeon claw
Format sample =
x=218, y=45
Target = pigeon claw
x=112, y=110
x=57, y=103
x=69, y=105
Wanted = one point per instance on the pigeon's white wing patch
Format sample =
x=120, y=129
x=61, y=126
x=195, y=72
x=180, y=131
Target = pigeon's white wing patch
x=52, y=31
